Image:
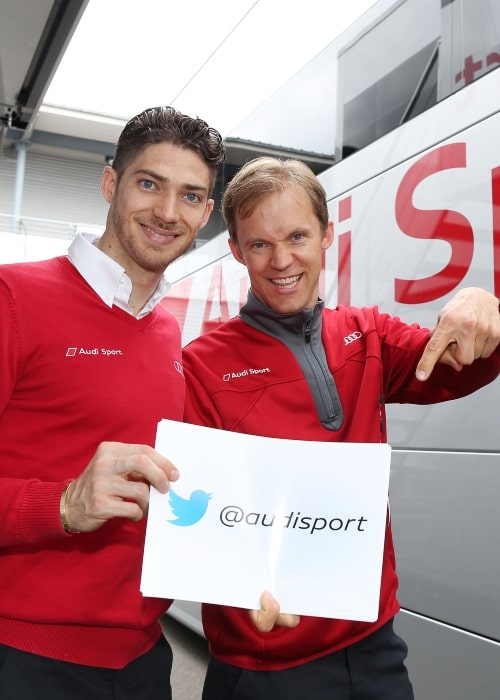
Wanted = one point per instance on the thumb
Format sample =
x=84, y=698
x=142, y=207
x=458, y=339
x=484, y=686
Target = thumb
x=265, y=618
x=269, y=614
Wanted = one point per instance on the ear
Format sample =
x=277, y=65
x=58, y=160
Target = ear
x=108, y=183
x=208, y=210
x=327, y=239
x=235, y=250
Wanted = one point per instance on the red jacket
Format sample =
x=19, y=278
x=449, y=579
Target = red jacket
x=242, y=379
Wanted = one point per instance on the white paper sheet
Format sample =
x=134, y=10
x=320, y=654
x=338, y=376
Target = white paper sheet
x=305, y=520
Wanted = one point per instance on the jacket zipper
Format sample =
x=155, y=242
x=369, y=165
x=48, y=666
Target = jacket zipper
x=322, y=385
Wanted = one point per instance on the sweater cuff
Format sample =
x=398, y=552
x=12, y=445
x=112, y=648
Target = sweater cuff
x=39, y=511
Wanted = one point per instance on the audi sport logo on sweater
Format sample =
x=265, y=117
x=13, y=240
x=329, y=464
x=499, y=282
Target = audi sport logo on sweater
x=348, y=339
x=108, y=352
x=245, y=373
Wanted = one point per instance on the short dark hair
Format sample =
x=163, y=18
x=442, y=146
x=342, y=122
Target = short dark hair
x=167, y=125
x=263, y=176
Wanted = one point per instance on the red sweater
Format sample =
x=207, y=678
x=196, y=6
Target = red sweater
x=372, y=358
x=74, y=373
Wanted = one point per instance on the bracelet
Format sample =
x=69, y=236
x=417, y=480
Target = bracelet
x=64, y=518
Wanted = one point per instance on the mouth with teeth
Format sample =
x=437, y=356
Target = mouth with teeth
x=157, y=235
x=286, y=282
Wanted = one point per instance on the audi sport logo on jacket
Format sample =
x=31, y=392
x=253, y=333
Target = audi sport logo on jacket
x=245, y=373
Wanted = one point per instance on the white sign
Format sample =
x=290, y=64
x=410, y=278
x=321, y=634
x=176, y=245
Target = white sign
x=304, y=520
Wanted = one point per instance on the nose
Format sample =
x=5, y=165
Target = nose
x=167, y=208
x=281, y=256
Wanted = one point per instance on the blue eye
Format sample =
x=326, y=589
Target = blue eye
x=192, y=197
x=147, y=184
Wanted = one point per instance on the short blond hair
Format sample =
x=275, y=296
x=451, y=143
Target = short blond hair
x=263, y=176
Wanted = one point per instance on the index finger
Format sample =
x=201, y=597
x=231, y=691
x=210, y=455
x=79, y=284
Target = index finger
x=158, y=471
x=139, y=463
x=437, y=348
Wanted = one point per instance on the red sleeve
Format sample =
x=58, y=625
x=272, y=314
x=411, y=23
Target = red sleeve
x=403, y=345
x=29, y=508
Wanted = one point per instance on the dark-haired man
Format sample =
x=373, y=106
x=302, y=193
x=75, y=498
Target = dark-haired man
x=90, y=362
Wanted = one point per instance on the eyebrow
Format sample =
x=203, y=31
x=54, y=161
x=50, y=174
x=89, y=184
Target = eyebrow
x=162, y=178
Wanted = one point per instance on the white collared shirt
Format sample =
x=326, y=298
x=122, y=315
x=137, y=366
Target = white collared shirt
x=107, y=278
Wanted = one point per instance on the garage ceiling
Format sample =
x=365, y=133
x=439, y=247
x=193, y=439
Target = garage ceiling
x=33, y=37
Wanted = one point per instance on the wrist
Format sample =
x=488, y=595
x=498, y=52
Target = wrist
x=63, y=510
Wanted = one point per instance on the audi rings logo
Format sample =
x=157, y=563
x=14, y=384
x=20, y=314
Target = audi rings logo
x=348, y=339
x=178, y=367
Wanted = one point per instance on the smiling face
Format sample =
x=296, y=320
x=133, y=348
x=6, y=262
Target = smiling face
x=281, y=243
x=157, y=206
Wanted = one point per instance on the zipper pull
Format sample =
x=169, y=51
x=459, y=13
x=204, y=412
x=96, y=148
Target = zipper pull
x=307, y=332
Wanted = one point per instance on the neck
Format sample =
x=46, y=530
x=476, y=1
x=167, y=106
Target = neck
x=143, y=287
x=144, y=282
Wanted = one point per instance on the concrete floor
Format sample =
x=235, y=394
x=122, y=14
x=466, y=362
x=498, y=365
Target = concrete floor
x=190, y=660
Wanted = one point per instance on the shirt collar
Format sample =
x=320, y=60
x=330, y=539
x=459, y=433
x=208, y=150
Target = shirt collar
x=107, y=278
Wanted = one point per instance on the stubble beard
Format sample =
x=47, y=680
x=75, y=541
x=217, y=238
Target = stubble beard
x=150, y=259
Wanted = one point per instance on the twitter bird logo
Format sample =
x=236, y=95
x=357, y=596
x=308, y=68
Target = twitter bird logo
x=188, y=511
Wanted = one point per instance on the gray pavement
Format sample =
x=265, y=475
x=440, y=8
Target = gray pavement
x=190, y=660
